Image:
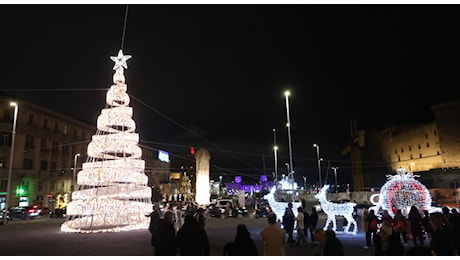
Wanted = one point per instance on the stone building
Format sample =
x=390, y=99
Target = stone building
x=47, y=145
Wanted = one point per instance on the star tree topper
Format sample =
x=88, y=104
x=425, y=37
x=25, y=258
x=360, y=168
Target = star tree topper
x=120, y=60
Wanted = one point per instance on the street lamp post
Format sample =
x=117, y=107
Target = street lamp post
x=10, y=166
x=220, y=185
x=275, y=150
x=335, y=174
x=319, y=164
x=291, y=172
x=74, y=171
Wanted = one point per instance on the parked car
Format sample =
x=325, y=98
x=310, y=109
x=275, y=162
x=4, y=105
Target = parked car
x=45, y=211
x=262, y=209
x=22, y=213
x=33, y=211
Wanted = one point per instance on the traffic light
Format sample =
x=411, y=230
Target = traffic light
x=20, y=191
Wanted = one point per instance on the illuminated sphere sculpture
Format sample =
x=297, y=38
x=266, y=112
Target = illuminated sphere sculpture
x=113, y=194
x=402, y=191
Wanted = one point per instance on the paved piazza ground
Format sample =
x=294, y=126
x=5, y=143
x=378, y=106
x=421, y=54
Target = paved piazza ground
x=42, y=237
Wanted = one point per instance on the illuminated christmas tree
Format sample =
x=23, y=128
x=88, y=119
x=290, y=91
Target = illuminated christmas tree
x=113, y=194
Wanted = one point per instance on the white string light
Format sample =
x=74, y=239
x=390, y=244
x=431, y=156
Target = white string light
x=113, y=194
x=402, y=191
x=337, y=209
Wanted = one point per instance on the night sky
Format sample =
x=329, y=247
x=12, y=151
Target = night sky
x=214, y=76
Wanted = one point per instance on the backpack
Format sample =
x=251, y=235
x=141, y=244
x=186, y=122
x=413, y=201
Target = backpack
x=400, y=225
x=373, y=224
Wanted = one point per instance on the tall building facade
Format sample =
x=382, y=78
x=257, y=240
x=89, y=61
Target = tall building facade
x=48, y=146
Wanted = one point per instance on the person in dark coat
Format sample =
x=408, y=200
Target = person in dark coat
x=415, y=220
x=313, y=220
x=371, y=233
x=243, y=245
x=288, y=223
x=329, y=244
x=154, y=217
x=191, y=239
x=164, y=236
x=441, y=239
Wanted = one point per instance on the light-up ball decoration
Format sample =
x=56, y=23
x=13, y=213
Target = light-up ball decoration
x=402, y=191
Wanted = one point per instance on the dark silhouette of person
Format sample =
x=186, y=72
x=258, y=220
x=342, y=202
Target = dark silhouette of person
x=288, y=223
x=329, y=244
x=154, y=217
x=371, y=233
x=415, y=220
x=313, y=220
x=400, y=222
x=164, y=236
x=387, y=242
x=191, y=239
x=273, y=237
x=242, y=245
x=441, y=239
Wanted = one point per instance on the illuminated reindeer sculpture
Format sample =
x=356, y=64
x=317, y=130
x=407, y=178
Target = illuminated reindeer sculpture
x=337, y=209
x=279, y=207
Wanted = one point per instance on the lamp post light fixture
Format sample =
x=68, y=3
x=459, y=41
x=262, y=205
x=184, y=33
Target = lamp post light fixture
x=319, y=164
x=288, y=124
x=220, y=185
x=10, y=166
x=275, y=151
x=335, y=174
x=74, y=171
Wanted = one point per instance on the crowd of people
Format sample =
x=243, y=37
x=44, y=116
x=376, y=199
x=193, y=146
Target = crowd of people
x=430, y=233
x=436, y=233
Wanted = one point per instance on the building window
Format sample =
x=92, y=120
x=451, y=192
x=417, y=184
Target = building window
x=396, y=151
x=45, y=123
x=427, y=144
x=420, y=155
x=410, y=148
x=426, y=136
x=53, y=166
x=31, y=119
x=66, y=129
x=55, y=149
x=419, y=147
x=43, y=143
x=5, y=139
x=2, y=163
x=3, y=184
x=28, y=164
x=435, y=133
x=399, y=158
x=43, y=165
x=402, y=150
x=411, y=157
x=29, y=142
x=56, y=127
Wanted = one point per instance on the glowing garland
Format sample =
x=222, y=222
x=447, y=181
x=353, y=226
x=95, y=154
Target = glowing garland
x=113, y=194
x=337, y=209
x=402, y=191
